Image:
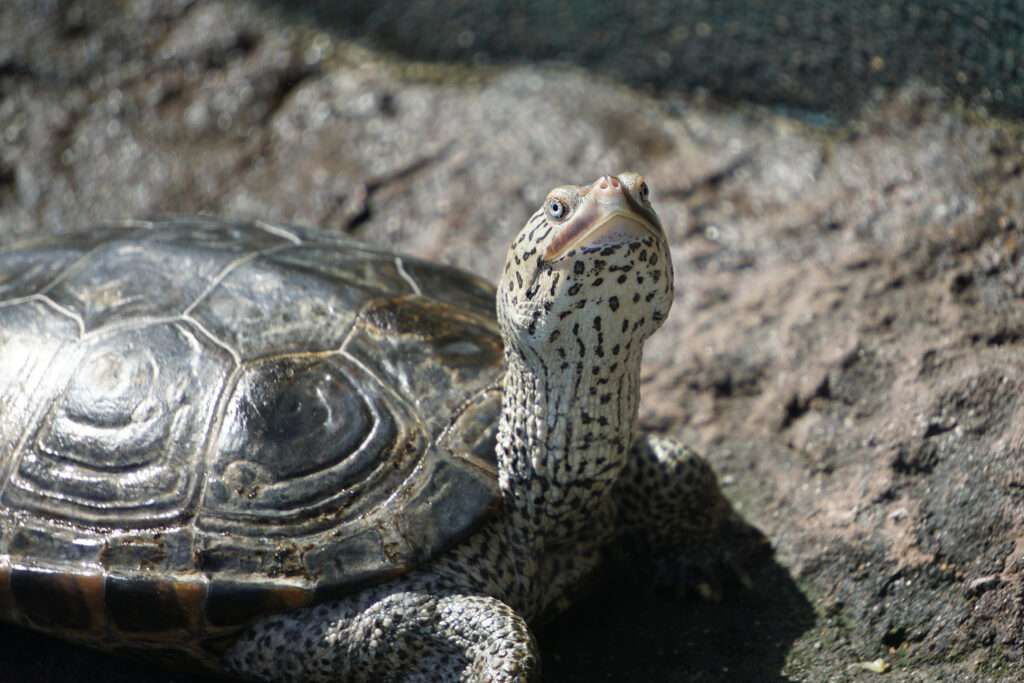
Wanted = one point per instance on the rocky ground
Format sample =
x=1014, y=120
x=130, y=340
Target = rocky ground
x=847, y=342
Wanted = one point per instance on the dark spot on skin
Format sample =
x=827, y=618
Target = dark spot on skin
x=613, y=302
x=656, y=275
x=615, y=350
x=597, y=282
x=643, y=255
x=605, y=398
x=650, y=295
x=654, y=259
x=564, y=314
x=597, y=323
x=599, y=266
x=554, y=283
x=574, y=289
x=625, y=324
x=636, y=298
x=519, y=278
x=577, y=268
x=518, y=262
x=622, y=278
x=555, y=335
x=533, y=290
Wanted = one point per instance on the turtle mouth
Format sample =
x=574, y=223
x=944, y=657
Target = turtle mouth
x=616, y=228
x=606, y=218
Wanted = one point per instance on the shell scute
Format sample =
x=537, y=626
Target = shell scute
x=301, y=440
x=119, y=443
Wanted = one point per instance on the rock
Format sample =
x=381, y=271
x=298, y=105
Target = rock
x=847, y=342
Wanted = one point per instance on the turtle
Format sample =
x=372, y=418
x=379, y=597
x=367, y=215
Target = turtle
x=282, y=454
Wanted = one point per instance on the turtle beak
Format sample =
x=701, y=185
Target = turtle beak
x=608, y=215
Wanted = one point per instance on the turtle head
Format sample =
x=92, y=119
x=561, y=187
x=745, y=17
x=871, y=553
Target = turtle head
x=590, y=273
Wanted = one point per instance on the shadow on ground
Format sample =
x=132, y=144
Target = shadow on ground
x=744, y=637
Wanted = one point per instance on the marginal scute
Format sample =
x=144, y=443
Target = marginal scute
x=8, y=611
x=148, y=607
x=59, y=601
x=232, y=603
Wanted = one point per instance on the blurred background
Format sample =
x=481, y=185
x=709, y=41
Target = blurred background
x=842, y=187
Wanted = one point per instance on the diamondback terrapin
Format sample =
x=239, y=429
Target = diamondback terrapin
x=290, y=456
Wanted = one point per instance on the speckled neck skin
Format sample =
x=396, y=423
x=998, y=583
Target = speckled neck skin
x=560, y=458
x=581, y=291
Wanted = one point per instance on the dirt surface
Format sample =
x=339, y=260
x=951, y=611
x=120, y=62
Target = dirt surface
x=847, y=341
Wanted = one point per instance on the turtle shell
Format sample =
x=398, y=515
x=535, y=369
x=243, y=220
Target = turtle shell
x=203, y=422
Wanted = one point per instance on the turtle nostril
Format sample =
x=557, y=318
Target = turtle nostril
x=614, y=181
x=604, y=184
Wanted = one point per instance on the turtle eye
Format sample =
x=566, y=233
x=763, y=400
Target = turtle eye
x=645, y=192
x=556, y=208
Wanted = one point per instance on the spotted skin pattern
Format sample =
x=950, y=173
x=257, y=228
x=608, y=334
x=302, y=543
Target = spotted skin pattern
x=587, y=280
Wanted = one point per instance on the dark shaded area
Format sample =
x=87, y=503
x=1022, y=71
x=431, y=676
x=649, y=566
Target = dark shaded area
x=660, y=638
x=31, y=657
x=806, y=54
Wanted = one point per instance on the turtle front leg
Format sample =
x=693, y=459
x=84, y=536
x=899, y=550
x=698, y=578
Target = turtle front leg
x=391, y=634
x=673, y=523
